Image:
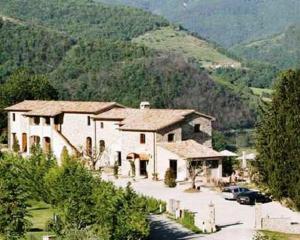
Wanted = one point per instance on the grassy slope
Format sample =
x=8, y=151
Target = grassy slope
x=181, y=42
x=280, y=236
x=281, y=50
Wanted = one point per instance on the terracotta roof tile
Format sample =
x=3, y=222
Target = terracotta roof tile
x=190, y=149
x=144, y=119
x=50, y=108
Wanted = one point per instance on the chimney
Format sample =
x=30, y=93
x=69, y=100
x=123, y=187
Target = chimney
x=144, y=105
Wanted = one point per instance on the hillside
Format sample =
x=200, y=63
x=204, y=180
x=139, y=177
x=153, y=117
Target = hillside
x=282, y=50
x=23, y=45
x=84, y=18
x=181, y=42
x=88, y=68
x=227, y=22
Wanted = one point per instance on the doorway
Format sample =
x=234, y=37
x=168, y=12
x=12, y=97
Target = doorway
x=173, y=167
x=24, y=142
x=143, y=168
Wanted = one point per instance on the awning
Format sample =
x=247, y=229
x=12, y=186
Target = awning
x=144, y=157
x=140, y=156
x=227, y=153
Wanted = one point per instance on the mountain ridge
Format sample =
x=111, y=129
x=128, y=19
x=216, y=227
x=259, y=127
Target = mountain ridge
x=228, y=22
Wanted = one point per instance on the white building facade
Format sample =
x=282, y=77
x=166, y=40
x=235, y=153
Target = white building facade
x=143, y=142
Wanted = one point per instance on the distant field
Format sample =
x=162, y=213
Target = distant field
x=264, y=93
x=180, y=42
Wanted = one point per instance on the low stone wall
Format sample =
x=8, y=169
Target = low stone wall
x=206, y=224
x=280, y=225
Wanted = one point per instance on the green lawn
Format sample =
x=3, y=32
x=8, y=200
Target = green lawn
x=180, y=42
x=40, y=213
x=280, y=236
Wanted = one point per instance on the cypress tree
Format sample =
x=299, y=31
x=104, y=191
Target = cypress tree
x=278, y=139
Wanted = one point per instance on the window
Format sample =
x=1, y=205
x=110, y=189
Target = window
x=14, y=117
x=212, y=163
x=119, y=159
x=197, y=128
x=36, y=121
x=171, y=137
x=142, y=138
x=47, y=120
x=89, y=121
x=101, y=125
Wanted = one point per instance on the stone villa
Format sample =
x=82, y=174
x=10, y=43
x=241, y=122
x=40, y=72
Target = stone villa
x=153, y=139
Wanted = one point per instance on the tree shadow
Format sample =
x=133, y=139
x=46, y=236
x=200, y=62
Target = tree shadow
x=164, y=229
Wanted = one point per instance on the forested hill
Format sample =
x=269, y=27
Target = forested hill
x=227, y=22
x=82, y=66
x=84, y=18
x=282, y=50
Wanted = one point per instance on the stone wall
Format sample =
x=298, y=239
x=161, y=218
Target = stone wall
x=204, y=136
x=285, y=225
x=280, y=225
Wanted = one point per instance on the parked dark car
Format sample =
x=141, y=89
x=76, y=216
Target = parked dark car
x=252, y=197
x=230, y=193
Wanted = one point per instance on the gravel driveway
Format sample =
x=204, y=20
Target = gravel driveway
x=236, y=221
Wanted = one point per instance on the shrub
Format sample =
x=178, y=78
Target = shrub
x=3, y=137
x=188, y=220
x=154, y=205
x=116, y=169
x=16, y=146
x=170, y=180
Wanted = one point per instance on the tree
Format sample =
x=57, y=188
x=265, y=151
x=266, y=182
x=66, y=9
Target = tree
x=278, y=139
x=16, y=146
x=24, y=85
x=218, y=141
x=70, y=189
x=13, y=199
x=121, y=212
x=35, y=168
x=93, y=157
x=195, y=168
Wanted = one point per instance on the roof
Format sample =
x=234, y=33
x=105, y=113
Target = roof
x=52, y=108
x=115, y=114
x=190, y=149
x=227, y=153
x=152, y=119
x=146, y=119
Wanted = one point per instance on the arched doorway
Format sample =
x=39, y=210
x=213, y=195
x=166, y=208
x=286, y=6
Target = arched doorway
x=89, y=146
x=24, y=142
x=47, y=145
